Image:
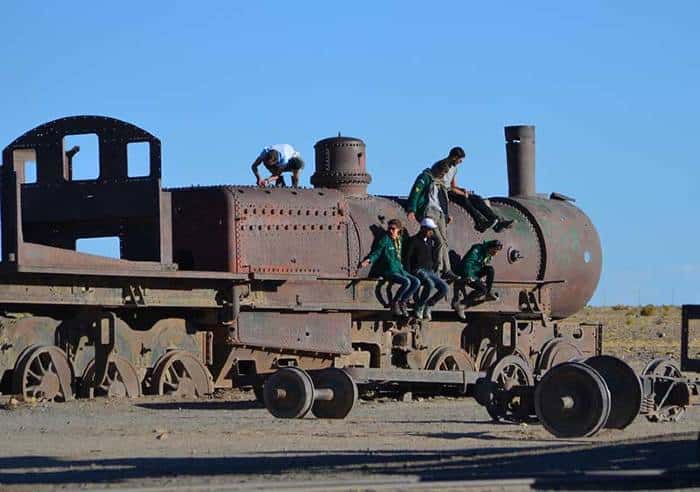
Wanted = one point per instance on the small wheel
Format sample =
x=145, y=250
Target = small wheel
x=511, y=381
x=572, y=400
x=121, y=380
x=625, y=389
x=179, y=373
x=43, y=373
x=344, y=394
x=289, y=393
x=663, y=367
x=557, y=351
x=670, y=398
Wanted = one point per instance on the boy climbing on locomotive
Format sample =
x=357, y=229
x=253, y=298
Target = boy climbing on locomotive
x=474, y=267
x=387, y=255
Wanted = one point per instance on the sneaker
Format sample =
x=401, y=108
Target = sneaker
x=396, y=309
x=428, y=316
x=404, y=309
x=502, y=225
x=492, y=296
x=420, y=312
x=482, y=225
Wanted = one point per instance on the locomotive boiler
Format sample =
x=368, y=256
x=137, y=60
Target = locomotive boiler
x=240, y=286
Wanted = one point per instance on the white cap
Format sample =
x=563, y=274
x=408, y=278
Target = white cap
x=429, y=223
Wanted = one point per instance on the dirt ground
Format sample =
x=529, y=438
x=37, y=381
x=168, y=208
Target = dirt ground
x=228, y=442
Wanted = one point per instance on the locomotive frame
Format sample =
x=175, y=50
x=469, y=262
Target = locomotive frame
x=225, y=286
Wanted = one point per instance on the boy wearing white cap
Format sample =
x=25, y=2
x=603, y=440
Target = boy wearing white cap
x=422, y=260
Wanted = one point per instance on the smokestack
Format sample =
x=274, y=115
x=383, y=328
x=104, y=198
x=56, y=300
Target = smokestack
x=340, y=164
x=520, y=155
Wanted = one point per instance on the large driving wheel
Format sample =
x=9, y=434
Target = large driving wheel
x=446, y=358
x=43, y=373
x=181, y=374
x=557, y=351
x=121, y=380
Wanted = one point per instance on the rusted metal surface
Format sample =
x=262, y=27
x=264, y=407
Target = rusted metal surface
x=520, y=156
x=310, y=332
x=341, y=164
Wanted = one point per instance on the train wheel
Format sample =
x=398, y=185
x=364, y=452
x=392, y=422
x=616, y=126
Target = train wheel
x=445, y=358
x=344, y=394
x=121, y=380
x=625, y=389
x=670, y=403
x=512, y=381
x=179, y=373
x=289, y=393
x=449, y=359
x=572, y=400
x=486, y=358
x=557, y=351
x=43, y=373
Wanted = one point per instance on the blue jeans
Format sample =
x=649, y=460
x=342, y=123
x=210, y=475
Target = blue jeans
x=431, y=281
x=408, y=285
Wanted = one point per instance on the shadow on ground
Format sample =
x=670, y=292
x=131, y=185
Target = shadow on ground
x=581, y=466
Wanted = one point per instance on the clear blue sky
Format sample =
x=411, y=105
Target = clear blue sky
x=613, y=88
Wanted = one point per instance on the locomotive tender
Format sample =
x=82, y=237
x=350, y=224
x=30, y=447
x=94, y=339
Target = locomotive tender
x=223, y=286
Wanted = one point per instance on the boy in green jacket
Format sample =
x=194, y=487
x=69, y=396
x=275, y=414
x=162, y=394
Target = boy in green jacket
x=388, y=252
x=428, y=199
x=474, y=267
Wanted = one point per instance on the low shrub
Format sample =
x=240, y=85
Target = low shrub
x=647, y=310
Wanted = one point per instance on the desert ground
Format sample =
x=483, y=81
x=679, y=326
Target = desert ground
x=228, y=442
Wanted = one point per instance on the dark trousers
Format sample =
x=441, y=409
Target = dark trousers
x=481, y=288
x=431, y=282
x=408, y=285
x=476, y=206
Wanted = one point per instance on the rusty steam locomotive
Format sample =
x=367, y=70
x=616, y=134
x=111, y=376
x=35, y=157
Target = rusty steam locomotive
x=239, y=286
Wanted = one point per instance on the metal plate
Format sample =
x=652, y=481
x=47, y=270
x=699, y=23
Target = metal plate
x=572, y=400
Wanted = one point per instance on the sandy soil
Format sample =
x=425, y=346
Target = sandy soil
x=229, y=443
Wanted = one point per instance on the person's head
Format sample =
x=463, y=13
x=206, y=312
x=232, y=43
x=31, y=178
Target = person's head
x=439, y=169
x=271, y=158
x=427, y=227
x=456, y=155
x=394, y=227
x=493, y=247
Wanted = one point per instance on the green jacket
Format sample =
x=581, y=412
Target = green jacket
x=386, y=253
x=474, y=260
x=418, y=198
